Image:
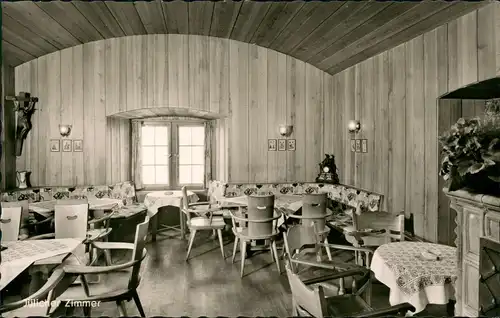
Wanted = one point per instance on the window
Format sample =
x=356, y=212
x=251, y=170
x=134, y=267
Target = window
x=173, y=154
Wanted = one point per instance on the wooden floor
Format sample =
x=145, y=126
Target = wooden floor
x=209, y=286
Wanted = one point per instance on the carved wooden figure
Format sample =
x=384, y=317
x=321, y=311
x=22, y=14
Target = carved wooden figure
x=25, y=107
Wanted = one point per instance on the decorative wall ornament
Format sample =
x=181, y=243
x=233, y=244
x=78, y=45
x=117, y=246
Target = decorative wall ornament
x=55, y=145
x=25, y=107
x=364, y=145
x=328, y=170
x=281, y=144
x=358, y=145
x=291, y=145
x=77, y=145
x=67, y=145
x=271, y=144
x=353, y=145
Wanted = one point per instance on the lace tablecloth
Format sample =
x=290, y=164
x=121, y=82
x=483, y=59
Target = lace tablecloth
x=158, y=199
x=414, y=279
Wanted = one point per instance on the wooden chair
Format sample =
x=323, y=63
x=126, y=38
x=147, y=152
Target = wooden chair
x=25, y=220
x=10, y=222
x=204, y=220
x=38, y=296
x=309, y=302
x=314, y=211
x=260, y=224
x=120, y=281
x=303, y=249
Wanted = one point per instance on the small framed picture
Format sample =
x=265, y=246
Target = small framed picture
x=271, y=144
x=353, y=145
x=281, y=144
x=291, y=145
x=77, y=145
x=55, y=145
x=66, y=145
x=358, y=145
x=364, y=145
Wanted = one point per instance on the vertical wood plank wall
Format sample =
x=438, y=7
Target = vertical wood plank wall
x=257, y=89
x=394, y=96
x=8, y=118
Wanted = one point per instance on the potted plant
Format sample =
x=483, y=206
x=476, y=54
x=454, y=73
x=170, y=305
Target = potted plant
x=471, y=152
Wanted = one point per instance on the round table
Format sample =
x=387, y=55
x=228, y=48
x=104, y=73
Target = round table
x=413, y=279
x=157, y=199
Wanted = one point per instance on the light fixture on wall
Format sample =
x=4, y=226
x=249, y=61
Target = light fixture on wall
x=65, y=130
x=285, y=130
x=354, y=126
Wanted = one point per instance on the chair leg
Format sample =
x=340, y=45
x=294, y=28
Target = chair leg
x=243, y=252
x=221, y=243
x=121, y=308
x=182, y=224
x=107, y=257
x=138, y=304
x=275, y=252
x=191, y=240
x=235, y=247
x=328, y=252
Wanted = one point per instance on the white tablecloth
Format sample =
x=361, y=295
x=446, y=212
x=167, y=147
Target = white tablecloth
x=46, y=208
x=414, y=279
x=158, y=199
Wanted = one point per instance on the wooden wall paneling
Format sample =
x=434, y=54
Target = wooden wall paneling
x=258, y=111
x=313, y=120
x=89, y=104
x=415, y=136
x=486, y=38
x=66, y=63
x=330, y=138
x=296, y=100
x=99, y=142
x=239, y=112
x=449, y=111
x=23, y=84
x=496, y=16
x=348, y=100
x=453, y=66
x=8, y=127
x=431, y=170
x=124, y=72
x=219, y=76
x=199, y=72
x=43, y=117
x=53, y=87
x=178, y=81
x=157, y=71
x=359, y=102
x=396, y=197
x=367, y=120
x=336, y=125
x=467, y=49
x=137, y=78
x=112, y=62
x=77, y=102
x=34, y=135
x=125, y=151
x=442, y=59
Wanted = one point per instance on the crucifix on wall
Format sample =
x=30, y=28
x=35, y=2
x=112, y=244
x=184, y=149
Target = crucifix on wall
x=25, y=107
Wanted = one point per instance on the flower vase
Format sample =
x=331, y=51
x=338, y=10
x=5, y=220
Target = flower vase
x=22, y=179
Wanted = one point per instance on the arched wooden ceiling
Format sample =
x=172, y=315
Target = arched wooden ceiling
x=329, y=35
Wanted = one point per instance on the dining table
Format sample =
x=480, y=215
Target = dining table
x=46, y=208
x=38, y=256
x=418, y=273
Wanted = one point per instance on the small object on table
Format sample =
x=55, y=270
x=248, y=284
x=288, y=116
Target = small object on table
x=3, y=248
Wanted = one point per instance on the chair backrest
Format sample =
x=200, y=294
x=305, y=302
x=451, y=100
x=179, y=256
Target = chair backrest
x=71, y=220
x=10, y=222
x=25, y=212
x=141, y=233
x=314, y=209
x=260, y=207
x=72, y=201
x=392, y=223
x=299, y=236
x=216, y=191
x=312, y=301
x=185, y=203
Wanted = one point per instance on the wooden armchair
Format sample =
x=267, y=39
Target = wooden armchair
x=309, y=302
x=203, y=220
x=120, y=281
x=25, y=220
x=10, y=222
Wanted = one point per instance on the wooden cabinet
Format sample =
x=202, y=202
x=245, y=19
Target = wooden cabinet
x=477, y=216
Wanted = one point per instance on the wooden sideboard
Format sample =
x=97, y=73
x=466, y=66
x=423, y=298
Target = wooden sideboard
x=477, y=216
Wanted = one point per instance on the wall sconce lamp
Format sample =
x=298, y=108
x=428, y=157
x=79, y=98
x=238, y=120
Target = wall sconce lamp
x=354, y=126
x=285, y=130
x=65, y=130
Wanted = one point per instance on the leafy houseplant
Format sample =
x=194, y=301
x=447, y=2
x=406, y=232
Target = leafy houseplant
x=471, y=152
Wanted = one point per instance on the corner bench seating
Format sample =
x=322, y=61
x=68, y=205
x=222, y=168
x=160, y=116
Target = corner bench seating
x=341, y=196
x=124, y=191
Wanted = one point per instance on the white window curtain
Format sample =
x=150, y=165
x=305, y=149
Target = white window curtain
x=137, y=153
x=208, y=151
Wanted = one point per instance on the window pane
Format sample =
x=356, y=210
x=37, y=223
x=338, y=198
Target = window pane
x=198, y=136
x=184, y=135
x=148, y=135
x=148, y=174
x=161, y=135
x=185, y=155
x=197, y=155
x=197, y=174
x=185, y=174
x=148, y=155
x=162, y=174
x=161, y=155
